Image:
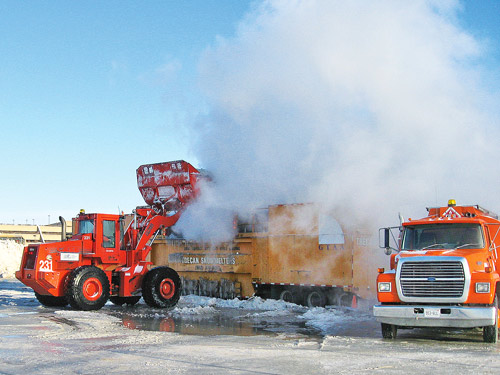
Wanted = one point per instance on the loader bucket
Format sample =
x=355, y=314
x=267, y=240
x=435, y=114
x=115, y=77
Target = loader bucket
x=166, y=183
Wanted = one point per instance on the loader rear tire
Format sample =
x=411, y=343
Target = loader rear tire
x=161, y=287
x=87, y=288
x=51, y=301
x=120, y=301
x=490, y=333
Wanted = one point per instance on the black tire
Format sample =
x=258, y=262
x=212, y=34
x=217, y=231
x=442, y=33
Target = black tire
x=490, y=333
x=87, y=288
x=51, y=301
x=161, y=287
x=389, y=331
x=120, y=301
x=288, y=296
x=316, y=298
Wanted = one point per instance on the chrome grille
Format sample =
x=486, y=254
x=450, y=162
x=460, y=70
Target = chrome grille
x=432, y=279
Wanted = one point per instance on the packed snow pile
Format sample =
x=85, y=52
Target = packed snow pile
x=253, y=303
x=10, y=258
x=199, y=310
x=325, y=319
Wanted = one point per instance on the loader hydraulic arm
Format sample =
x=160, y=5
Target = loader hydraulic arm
x=153, y=225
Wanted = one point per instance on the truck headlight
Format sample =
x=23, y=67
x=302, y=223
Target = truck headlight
x=482, y=287
x=384, y=287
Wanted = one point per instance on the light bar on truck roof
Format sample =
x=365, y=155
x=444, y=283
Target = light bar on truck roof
x=452, y=203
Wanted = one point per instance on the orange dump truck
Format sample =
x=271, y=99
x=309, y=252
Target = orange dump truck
x=289, y=252
x=445, y=272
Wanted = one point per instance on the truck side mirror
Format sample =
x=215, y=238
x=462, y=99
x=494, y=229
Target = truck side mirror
x=386, y=244
x=386, y=237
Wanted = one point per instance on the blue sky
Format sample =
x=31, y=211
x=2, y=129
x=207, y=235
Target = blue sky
x=91, y=90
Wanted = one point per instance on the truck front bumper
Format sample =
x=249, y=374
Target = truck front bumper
x=439, y=316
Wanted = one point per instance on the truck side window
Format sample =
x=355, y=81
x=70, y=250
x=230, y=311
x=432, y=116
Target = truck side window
x=108, y=233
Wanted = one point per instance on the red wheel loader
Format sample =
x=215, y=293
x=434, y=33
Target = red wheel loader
x=106, y=258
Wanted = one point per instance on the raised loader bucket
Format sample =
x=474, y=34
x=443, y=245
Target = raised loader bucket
x=168, y=185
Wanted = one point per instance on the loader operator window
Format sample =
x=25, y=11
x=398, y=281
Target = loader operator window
x=108, y=233
x=86, y=226
x=443, y=236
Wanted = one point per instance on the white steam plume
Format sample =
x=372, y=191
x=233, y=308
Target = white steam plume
x=372, y=107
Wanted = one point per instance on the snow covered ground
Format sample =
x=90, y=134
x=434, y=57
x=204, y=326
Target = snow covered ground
x=10, y=258
x=212, y=336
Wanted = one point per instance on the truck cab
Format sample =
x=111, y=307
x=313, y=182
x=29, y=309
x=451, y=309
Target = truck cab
x=444, y=272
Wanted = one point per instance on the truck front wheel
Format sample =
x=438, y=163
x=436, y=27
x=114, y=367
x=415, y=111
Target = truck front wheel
x=161, y=287
x=490, y=333
x=87, y=288
x=389, y=331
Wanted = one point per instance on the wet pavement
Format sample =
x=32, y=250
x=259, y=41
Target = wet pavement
x=217, y=336
x=17, y=300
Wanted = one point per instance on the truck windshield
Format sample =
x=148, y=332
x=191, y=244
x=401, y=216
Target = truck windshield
x=442, y=236
x=86, y=226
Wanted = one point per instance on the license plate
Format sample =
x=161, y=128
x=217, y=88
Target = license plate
x=432, y=313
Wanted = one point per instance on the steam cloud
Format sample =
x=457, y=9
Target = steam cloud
x=368, y=107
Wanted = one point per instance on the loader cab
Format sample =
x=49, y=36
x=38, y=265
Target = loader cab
x=102, y=235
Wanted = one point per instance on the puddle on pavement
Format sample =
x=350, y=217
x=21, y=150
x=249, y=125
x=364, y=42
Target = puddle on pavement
x=221, y=322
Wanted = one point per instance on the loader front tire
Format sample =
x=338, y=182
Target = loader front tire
x=87, y=288
x=51, y=301
x=161, y=287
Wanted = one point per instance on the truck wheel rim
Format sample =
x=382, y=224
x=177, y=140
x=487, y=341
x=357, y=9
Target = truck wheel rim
x=287, y=296
x=314, y=299
x=167, y=288
x=92, y=289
